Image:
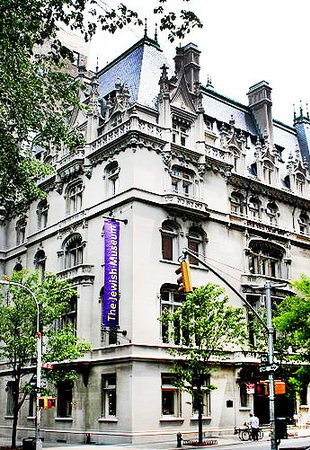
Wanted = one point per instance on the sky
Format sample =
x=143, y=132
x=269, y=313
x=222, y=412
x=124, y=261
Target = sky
x=242, y=42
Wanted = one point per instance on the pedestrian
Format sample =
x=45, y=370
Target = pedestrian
x=254, y=424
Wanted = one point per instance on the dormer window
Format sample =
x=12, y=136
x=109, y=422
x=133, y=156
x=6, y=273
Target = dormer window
x=180, y=131
x=300, y=183
x=267, y=172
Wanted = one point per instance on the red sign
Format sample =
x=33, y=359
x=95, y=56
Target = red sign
x=47, y=365
x=250, y=388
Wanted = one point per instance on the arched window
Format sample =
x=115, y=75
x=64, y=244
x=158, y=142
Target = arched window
x=74, y=197
x=42, y=213
x=303, y=223
x=169, y=240
x=170, y=301
x=182, y=181
x=266, y=258
x=272, y=212
x=111, y=176
x=267, y=171
x=196, y=239
x=237, y=203
x=18, y=267
x=73, y=251
x=254, y=205
x=39, y=261
x=20, y=231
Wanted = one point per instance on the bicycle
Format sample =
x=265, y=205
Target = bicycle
x=245, y=434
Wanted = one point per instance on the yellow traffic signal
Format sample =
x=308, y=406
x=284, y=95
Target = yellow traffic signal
x=184, y=280
x=47, y=402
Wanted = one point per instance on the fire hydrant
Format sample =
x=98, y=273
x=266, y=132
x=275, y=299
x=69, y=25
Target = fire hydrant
x=179, y=440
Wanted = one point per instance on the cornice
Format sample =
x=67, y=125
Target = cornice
x=257, y=187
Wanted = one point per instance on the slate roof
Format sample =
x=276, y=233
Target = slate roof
x=222, y=108
x=138, y=67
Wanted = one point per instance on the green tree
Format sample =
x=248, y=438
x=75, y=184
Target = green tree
x=292, y=324
x=18, y=338
x=202, y=327
x=36, y=94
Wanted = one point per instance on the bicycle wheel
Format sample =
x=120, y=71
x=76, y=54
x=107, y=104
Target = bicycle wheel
x=260, y=434
x=245, y=435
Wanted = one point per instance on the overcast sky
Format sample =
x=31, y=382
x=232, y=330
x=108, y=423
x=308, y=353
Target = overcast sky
x=242, y=42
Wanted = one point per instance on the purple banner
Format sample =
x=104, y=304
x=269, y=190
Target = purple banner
x=110, y=299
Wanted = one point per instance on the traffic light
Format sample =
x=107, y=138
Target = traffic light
x=184, y=280
x=261, y=389
x=47, y=402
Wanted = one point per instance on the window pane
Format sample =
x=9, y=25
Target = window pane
x=167, y=247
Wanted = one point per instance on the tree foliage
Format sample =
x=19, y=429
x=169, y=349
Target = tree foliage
x=292, y=320
x=36, y=94
x=292, y=324
x=203, y=327
x=18, y=338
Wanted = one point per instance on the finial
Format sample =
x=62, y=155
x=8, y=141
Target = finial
x=300, y=109
x=294, y=110
x=307, y=110
x=97, y=65
x=209, y=81
x=145, y=27
x=155, y=35
x=232, y=121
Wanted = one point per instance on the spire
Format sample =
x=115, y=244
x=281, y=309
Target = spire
x=155, y=35
x=145, y=27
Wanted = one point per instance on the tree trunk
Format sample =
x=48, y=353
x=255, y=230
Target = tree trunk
x=15, y=420
x=200, y=408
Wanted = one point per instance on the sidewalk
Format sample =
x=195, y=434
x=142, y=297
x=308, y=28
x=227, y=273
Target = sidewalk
x=168, y=445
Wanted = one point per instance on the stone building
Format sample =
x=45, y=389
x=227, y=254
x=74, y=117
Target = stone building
x=175, y=164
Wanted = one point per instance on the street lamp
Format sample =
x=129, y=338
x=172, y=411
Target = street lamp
x=39, y=360
x=268, y=327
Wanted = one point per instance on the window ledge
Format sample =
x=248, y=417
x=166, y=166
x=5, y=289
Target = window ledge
x=244, y=408
x=107, y=419
x=63, y=419
x=31, y=418
x=8, y=417
x=195, y=419
x=171, y=419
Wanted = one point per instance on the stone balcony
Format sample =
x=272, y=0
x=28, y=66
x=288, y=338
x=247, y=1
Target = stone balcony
x=179, y=204
x=81, y=274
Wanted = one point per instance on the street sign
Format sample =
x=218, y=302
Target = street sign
x=271, y=368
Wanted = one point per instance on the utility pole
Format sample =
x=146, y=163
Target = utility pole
x=267, y=326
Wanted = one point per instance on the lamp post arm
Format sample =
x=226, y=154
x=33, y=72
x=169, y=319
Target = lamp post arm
x=39, y=358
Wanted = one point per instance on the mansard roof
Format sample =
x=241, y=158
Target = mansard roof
x=139, y=68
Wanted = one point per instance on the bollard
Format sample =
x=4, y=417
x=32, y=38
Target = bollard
x=179, y=440
x=87, y=438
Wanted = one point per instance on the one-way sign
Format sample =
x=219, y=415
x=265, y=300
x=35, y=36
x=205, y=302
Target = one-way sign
x=271, y=368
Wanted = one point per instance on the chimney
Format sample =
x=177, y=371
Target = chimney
x=260, y=104
x=187, y=62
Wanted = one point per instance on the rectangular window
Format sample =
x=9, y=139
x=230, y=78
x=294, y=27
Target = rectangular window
x=10, y=390
x=171, y=398
x=206, y=401
x=193, y=245
x=244, y=396
x=167, y=247
x=108, y=395
x=64, y=399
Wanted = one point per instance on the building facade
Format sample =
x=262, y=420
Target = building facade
x=177, y=165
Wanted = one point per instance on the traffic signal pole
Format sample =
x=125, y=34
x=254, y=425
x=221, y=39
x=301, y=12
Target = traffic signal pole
x=267, y=326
